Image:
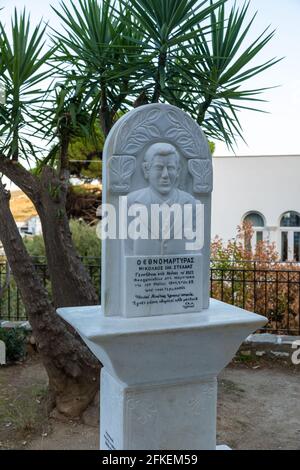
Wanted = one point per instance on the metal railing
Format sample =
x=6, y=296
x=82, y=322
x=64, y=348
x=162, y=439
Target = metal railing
x=272, y=290
x=11, y=306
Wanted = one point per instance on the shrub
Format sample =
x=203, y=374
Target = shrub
x=15, y=342
x=256, y=280
x=35, y=246
x=87, y=244
x=85, y=239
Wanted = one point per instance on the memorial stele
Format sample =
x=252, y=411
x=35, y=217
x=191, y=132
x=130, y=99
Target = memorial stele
x=156, y=155
x=160, y=338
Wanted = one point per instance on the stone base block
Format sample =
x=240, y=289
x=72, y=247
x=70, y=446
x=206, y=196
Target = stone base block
x=159, y=381
x=167, y=416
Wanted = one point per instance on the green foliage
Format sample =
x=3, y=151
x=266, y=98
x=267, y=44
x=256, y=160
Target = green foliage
x=167, y=23
x=112, y=55
x=85, y=155
x=10, y=302
x=256, y=280
x=25, y=408
x=244, y=358
x=23, y=69
x=85, y=239
x=87, y=245
x=35, y=246
x=218, y=65
x=212, y=147
x=195, y=56
x=15, y=341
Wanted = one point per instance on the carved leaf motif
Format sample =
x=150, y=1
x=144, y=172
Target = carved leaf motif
x=128, y=166
x=153, y=131
x=201, y=170
x=173, y=117
x=121, y=169
x=186, y=134
x=154, y=115
x=139, y=131
x=145, y=127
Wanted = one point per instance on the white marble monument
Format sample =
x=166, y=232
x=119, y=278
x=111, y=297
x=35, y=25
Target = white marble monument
x=161, y=340
x=158, y=158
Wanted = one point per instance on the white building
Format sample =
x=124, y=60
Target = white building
x=31, y=226
x=266, y=189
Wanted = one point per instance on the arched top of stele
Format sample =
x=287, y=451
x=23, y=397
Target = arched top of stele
x=131, y=147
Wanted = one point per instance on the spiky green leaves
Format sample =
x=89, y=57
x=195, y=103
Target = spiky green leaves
x=210, y=74
x=23, y=71
x=115, y=54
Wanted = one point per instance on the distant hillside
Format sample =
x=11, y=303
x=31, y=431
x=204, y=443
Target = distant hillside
x=21, y=207
x=83, y=205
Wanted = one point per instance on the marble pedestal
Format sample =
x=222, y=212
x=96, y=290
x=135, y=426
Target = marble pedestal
x=159, y=381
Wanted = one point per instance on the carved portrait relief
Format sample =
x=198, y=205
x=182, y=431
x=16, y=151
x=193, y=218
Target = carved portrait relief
x=158, y=160
x=161, y=168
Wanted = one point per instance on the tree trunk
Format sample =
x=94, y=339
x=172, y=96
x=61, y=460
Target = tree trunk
x=73, y=371
x=71, y=283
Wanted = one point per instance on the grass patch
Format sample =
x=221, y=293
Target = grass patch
x=231, y=387
x=26, y=411
x=244, y=358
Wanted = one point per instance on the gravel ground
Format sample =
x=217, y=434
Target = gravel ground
x=258, y=408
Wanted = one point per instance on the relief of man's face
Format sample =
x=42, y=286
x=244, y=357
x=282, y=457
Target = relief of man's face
x=162, y=167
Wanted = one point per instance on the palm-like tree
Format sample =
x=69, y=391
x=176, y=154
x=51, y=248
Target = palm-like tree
x=194, y=56
x=29, y=112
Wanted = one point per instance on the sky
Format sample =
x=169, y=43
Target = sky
x=275, y=133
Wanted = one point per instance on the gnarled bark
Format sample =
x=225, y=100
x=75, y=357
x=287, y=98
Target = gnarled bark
x=71, y=283
x=73, y=371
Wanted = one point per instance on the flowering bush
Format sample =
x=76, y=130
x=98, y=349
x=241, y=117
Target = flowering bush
x=256, y=280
